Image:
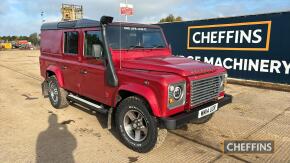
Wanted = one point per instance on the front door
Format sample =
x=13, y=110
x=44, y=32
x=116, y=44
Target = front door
x=92, y=69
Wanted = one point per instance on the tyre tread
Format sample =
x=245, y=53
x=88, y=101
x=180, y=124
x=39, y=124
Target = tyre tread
x=135, y=100
x=62, y=94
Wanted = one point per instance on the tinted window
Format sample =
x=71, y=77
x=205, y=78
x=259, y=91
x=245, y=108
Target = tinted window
x=91, y=38
x=71, y=42
x=135, y=37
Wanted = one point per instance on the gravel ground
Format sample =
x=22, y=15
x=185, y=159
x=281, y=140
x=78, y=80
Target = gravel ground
x=32, y=131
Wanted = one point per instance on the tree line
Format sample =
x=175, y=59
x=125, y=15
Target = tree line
x=33, y=38
x=171, y=18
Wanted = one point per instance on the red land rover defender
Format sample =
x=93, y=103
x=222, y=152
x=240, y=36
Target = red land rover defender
x=127, y=71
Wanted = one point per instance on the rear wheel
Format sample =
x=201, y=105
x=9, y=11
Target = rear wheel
x=136, y=126
x=57, y=95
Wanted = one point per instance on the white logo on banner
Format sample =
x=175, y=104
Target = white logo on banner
x=257, y=65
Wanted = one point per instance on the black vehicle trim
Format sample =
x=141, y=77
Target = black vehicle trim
x=179, y=120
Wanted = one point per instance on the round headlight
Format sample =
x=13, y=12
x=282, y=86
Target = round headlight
x=171, y=88
x=177, y=93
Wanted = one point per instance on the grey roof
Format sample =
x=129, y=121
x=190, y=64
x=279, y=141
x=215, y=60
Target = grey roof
x=87, y=23
x=81, y=23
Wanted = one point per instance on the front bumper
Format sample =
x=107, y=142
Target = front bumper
x=179, y=120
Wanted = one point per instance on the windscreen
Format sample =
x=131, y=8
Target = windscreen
x=134, y=37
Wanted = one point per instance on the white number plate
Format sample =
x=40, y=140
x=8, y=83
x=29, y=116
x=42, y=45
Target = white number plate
x=208, y=110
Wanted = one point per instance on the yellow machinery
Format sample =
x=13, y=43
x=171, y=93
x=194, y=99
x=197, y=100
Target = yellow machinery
x=6, y=45
x=71, y=12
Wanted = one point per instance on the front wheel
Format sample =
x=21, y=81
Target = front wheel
x=135, y=125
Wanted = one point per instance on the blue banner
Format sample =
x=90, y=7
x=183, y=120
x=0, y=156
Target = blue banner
x=254, y=47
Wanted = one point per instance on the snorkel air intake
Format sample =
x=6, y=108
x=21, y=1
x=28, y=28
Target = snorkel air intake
x=111, y=76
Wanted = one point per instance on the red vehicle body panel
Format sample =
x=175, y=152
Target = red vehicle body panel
x=145, y=72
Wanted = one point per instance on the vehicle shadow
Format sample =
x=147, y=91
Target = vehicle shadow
x=56, y=143
x=102, y=118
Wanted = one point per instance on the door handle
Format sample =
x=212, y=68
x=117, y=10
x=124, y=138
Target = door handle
x=84, y=72
x=63, y=67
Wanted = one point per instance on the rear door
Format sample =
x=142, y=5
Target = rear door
x=71, y=58
x=92, y=69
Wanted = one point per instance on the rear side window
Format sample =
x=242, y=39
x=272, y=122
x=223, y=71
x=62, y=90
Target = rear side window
x=91, y=38
x=71, y=42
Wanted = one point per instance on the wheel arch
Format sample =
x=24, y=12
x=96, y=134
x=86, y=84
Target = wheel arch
x=145, y=93
x=54, y=70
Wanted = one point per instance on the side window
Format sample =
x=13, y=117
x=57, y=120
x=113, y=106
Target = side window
x=71, y=42
x=91, y=38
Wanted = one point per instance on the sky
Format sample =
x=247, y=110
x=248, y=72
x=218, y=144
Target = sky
x=22, y=17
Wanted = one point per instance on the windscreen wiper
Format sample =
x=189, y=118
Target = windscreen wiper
x=158, y=46
x=135, y=47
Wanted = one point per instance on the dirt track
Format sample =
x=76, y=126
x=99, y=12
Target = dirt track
x=31, y=130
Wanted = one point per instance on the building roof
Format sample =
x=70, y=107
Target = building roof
x=87, y=23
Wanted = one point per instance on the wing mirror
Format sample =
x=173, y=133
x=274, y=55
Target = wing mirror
x=97, y=50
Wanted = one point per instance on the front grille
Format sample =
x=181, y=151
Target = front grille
x=204, y=90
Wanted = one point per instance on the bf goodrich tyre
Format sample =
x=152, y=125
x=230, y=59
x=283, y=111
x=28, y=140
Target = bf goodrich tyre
x=57, y=95
x=202, y=120
x=135, y=125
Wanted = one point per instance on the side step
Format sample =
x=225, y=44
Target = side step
x=86, y=103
